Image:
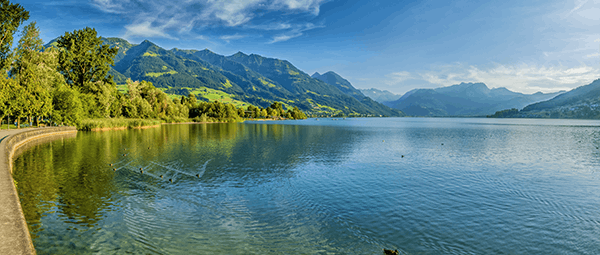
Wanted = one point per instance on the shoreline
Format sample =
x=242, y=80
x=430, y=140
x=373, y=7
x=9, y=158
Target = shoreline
x=14, y=232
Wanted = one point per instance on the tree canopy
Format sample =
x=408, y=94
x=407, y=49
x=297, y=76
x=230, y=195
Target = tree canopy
x=11, y=17
x=84, y=59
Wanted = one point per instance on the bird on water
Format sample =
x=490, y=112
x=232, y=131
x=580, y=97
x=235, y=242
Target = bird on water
x=390, y=252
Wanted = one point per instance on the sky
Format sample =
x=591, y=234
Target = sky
x=525, y=46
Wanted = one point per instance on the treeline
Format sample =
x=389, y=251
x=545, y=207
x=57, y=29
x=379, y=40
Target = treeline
x=504, y=113
x=65, y=84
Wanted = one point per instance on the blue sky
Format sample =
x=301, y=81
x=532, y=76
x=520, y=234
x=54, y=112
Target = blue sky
x=526, y=46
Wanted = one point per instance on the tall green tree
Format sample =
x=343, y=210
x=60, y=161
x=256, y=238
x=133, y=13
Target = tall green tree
x=84, y=59
x=11, y=17
x=36, y=72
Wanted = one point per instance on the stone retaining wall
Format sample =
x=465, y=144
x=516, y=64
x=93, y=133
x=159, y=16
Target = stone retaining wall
x=14, y=234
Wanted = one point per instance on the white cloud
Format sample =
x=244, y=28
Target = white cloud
x=397, y=77
x=283, y=37
x=145, y=29
x=111, y=6
x=578, y=5
x=521, y=78
x=228, y=38
x=294, y=31
x=303, y=5
x=175, y=18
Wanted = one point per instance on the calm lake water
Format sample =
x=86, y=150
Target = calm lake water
x=345, y=186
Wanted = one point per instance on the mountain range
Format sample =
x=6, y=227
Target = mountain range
x=252, y=79
x=259, y=80
x=465, y=99
x=580, y=103
x=380, y=95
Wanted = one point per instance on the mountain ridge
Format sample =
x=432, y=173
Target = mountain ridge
x=247, y=78
x=464, y=99
x=582, y=102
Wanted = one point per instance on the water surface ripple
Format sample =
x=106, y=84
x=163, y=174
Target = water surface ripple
x=319, y=186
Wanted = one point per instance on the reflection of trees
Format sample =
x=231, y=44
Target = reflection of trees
x=73, y=177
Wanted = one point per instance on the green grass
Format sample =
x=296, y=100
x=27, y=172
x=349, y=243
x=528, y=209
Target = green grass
x=227, y=84
x=90, y=124
x=158, y=74
x=150, y=54
x=212, y=95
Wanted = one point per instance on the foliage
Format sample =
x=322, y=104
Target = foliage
x=35, y=71
x=504, y=113
x=11, y=17
x=84, y=59
x=8, y=88
x=67, y=106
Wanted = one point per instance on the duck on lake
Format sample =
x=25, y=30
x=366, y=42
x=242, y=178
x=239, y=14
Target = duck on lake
x=390, y=252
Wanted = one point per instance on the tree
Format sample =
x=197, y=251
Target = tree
x=67, y=107
x=277, y=106
x=11, y=17
x=7, y=87
x=84, y=59
x=36, y=72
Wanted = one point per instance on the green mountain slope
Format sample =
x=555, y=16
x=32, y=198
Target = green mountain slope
x=346, y=87
x=246, y=78
x=580, y=103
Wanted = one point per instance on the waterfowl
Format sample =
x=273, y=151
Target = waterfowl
x=198, y=175
x=390, y=252
x=161, y=176
x=114, y=169
x=403, y=156
x=171, y=180
x=442, y=143
x=142, y=171
x=124, y=154
x=110, y=164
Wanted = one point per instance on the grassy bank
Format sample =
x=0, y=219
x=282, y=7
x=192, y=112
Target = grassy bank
x=116, y=123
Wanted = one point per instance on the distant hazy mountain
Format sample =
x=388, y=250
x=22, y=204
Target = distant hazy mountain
x=580, y=103
x=248, y=78
x=465, y=99
x=345, y=86
x=380, y=95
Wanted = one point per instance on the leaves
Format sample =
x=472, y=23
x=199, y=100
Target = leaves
x=84, y=59
x=11, y=17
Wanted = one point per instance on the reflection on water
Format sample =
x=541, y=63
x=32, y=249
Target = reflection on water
x=349, y=186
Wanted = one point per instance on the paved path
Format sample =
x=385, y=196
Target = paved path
x=14, y=234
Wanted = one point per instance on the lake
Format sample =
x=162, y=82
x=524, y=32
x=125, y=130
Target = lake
x=319, y=186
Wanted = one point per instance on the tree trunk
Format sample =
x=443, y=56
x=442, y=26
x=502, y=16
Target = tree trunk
x=18, y=122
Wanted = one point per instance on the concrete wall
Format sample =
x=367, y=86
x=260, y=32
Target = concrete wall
x=14, y=234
